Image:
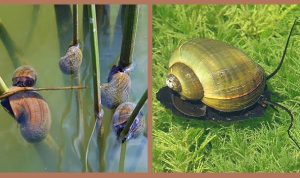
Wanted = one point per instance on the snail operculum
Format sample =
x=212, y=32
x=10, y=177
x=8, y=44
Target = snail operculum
x=120, y=118
x=24, y=76
x=116, y=91
x=71, y=62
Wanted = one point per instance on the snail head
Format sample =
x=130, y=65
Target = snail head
x=173, y=83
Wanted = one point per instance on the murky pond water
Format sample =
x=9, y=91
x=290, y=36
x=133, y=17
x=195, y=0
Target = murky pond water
x=72, y=116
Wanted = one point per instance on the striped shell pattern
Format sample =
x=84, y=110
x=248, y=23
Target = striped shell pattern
x=216, y=73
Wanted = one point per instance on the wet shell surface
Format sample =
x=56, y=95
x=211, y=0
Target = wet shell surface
x=121, y=116
x=24, y=76
x=216, y=73
x=71, y=62
x=31, y=111
x=116, y=91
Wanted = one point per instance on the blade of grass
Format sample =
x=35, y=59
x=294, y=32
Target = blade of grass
x=130, y=21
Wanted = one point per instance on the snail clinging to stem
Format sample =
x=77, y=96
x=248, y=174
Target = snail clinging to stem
x=27, y=106
x=117, y=90
x=219, y=76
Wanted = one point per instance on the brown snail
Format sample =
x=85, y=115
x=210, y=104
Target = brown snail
x=116, y=91
x=28, y=108
x=120, y=118
x=71, y=62
x=24, y=76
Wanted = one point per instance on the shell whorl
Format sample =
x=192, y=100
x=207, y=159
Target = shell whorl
x=183, y=80
x=71, y=62
x=121, y=116
x=24, y=76
x=231, y=81
x=32, y=112
x=116, y=91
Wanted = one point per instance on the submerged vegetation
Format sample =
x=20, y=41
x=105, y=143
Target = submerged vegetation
x=77, y=117
x=253, y=145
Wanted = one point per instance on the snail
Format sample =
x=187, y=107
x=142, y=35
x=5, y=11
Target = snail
x=28, y=108
x=208, y=78
x=24, y=76
x=218, y=75
x=71, y=62
x=120, y=118
x=116, y=91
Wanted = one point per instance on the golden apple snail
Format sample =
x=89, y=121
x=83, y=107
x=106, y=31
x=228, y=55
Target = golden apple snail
x=220, y=76
x=120, y=118
x=116, y=91
x=71, y=62
x=24, y=76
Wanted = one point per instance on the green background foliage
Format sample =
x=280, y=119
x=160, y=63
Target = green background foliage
x=254, y=145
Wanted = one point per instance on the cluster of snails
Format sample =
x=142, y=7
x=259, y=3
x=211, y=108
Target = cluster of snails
x=115, y=95
x=28, y=108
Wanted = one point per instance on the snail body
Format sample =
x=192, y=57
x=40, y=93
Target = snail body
x=215, y=73
x=32, y=112
x=116, y=91
x=24, y=76
x=121, y=116
x=71, y=62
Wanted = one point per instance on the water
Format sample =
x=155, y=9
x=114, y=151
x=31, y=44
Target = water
x=71, y=127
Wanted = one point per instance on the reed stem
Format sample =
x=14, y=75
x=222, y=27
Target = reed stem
x=22, y=89
x=95, y=58
x=96, y=78
x=75, y=24
x=3, y=86
x=122, y=157
x=10, y=46
x=130, y=21
x=133, y=115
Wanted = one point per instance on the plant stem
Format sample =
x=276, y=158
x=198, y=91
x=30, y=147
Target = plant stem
x=122, y=157
x=133, y=115
x=75, y=24
x=22, y=89
x=10, y=46
x=129, y=29
x=63, y=17
x=96, y=78
x=95, y=58
x=3, y=86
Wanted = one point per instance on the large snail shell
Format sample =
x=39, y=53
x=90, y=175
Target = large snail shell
x=116, y=91
x=219, y=75
x=31, y=111
x=71, y=62
x=24, y=76
x=121, y=116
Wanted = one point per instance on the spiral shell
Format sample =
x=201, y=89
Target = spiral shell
x=219, y=75
x=31, y=111
x=121, y=116
x=24, y=76
x=116, y=91
x=71, y=62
